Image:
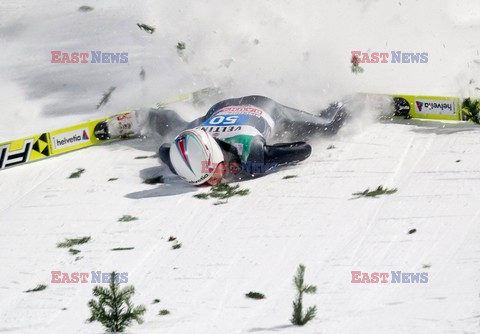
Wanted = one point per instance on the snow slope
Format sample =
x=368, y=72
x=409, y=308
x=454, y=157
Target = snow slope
x=253, y=242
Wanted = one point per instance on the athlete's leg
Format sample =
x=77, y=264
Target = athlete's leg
x=164, y=122
x=254, y=100
x=290, y=123
x=299, y=125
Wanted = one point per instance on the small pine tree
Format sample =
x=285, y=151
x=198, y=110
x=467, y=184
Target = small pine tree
x=114, y=310
x=356, y=68
x=298, y=318
x=181, y=46
x=470, y=110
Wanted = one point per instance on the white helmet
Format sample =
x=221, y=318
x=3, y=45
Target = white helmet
x=194, y=155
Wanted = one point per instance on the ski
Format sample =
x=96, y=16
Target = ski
x=52, y=143
x=446, y=108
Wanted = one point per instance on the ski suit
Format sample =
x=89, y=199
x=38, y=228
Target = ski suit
x=243, y=126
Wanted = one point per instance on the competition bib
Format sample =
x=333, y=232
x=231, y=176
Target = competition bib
x=238, y=120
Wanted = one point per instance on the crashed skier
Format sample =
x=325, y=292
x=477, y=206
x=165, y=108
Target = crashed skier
x=235, y=133
x=237, y=137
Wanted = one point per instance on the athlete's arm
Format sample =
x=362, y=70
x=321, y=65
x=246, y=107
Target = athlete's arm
x=286, y=153
x=278, y=154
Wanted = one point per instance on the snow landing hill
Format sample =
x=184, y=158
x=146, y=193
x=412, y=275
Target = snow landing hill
x=298, y=55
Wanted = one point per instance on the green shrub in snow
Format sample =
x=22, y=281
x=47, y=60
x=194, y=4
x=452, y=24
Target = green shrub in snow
x=39, y=287
x=73, y=242
x=113, y=308
x=255, y=295
x=298, y=317
x=376, y=192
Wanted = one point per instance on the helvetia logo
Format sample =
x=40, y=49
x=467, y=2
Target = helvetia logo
x=85, y=135
x=435, y=107
x=419, y=105
x=438, y=105
x=69, y=139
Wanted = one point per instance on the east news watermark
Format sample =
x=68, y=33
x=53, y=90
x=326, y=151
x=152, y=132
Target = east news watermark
x=392, y=277
x=88, y=277
x=93, y=57
x=240, y=168
x=394, y=57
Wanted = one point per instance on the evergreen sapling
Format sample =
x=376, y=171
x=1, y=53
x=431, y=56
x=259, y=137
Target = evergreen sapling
x=356, y=68
x=298, y=318
x=113, y=309
x=470, y=110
